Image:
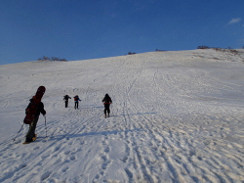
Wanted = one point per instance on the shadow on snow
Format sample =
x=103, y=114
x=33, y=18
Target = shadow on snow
x=102, y=133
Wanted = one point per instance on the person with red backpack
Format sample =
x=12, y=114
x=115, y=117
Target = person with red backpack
x=76, y=100
x=30, y=136
x=107, y=101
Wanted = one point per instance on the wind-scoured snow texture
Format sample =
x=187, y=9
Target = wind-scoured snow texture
x=176, y=117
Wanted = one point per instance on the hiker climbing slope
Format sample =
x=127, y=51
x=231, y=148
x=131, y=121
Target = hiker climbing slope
x=33, y=111
x=76, y=100
x=107, y=101
x=66, y=100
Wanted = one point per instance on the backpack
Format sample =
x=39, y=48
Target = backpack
x=107, y=100
x=76, y=98
x=32, y=108
x=66, y=97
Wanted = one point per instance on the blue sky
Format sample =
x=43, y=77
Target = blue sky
x=86, y=29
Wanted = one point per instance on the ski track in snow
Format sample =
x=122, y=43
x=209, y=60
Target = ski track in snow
x=174, y=118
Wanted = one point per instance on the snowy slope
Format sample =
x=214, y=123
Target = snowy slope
x=176, y=117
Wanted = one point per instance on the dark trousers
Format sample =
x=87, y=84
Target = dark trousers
x=31, y=132
x=106, y=109
x=76, y=105
x=66, y=104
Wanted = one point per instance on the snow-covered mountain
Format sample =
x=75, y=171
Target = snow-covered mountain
x=175, y=117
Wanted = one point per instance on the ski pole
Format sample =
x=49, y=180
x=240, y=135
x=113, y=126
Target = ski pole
x=45, y=125
x=21, y=128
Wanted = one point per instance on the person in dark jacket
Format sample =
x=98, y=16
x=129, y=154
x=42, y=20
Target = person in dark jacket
x=107, y=101
x=66, y=100
x=32, y=126
x=76, y=100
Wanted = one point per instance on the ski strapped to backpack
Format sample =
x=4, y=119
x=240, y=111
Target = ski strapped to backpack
x=33, y=105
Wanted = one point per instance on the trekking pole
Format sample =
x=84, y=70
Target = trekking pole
x=21, y=128
x=45, y=125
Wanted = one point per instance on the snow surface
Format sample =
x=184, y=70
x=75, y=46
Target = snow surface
x=175, y=117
